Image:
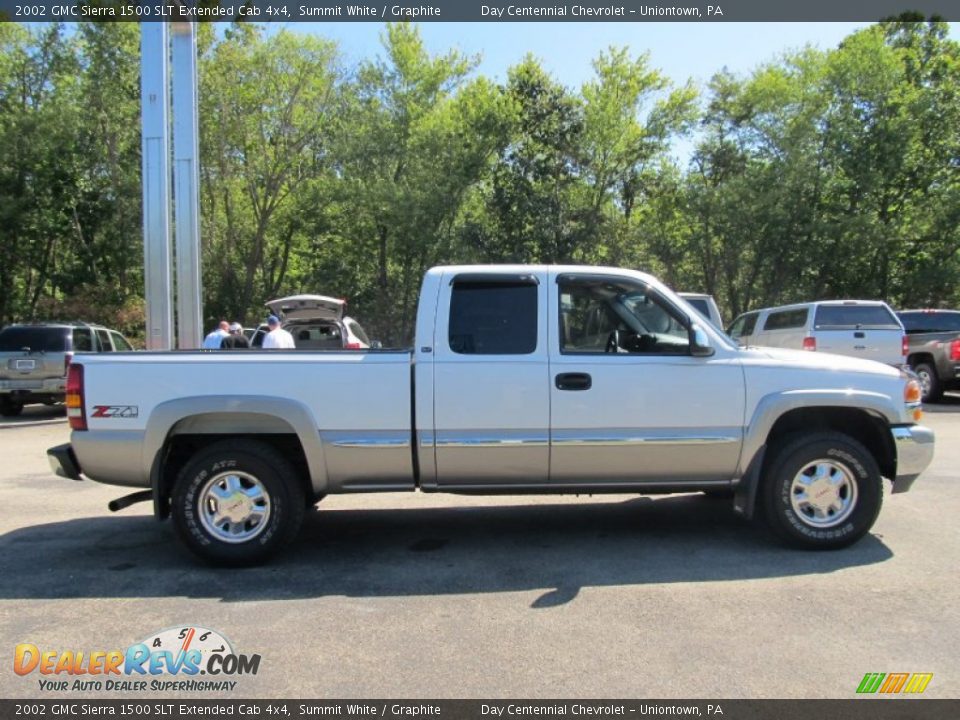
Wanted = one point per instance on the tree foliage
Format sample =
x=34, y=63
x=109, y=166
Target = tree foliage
x=823, y=173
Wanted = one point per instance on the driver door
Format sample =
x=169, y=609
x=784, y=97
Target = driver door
x=629, y=403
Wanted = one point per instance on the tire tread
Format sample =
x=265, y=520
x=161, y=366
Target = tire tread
x=294, y=507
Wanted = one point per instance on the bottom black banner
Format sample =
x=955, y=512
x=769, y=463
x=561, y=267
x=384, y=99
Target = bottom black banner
x=859, y=709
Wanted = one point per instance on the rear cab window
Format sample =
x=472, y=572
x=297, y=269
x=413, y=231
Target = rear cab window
x=700, y=304
x=855, y=317
x=493, y=316
x=930, y=322
x=34, y=339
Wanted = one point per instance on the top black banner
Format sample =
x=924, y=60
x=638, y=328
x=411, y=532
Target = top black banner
x=639, y=11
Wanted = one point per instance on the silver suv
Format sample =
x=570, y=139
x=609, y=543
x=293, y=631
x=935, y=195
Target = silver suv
x=866, y=329
x=34, y=359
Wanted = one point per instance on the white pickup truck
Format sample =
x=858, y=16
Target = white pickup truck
x=523, y=379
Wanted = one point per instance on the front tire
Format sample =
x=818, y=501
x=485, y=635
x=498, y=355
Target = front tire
x=237, y=503
x=821, y=491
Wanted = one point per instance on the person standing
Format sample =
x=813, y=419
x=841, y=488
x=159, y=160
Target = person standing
x=213, y=340
x=277, y=338
x=236, y=340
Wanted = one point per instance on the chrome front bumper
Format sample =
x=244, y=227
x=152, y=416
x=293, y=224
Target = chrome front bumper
x=914, y=444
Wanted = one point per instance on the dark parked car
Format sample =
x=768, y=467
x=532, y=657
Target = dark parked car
x=34, y=359
x=934, y=349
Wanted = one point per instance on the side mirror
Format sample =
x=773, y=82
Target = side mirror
x=376, y=345
x=700, y=342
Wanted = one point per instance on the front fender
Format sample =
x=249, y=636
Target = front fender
x=772, y=407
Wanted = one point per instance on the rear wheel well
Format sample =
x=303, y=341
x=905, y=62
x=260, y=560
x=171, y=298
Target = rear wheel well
x=917, y=358
x=870, y=430
x=180, y=448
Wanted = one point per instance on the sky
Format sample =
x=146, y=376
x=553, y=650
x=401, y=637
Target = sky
x=683, y=51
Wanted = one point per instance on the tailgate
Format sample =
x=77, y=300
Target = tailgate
x=26, y=368
x=881, y=345
x=867, y=331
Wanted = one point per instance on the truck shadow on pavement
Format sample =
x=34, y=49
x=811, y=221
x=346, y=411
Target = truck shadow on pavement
x=554, y=548
x=36, y=415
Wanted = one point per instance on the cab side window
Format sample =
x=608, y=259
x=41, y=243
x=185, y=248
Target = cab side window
x=786, y=319
x=103, y=338
x=618, y=316
x=493, y=317
x=82, y=340
x=120, y=342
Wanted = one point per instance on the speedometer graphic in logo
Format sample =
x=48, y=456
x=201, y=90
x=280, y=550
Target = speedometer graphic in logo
x=180, y=640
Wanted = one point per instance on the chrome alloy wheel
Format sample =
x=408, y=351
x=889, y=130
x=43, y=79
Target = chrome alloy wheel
x=926, y=382
x=234, y=507
x=823, y=493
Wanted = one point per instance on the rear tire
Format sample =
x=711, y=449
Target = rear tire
x=932, y=387
x=10, y=408
x=821, y=491
x=237, y=503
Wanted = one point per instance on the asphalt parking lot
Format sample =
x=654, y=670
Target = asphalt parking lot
x=414, y=596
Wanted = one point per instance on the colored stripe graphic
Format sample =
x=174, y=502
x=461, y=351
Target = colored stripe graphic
x=870, y=682
x=918, y=682
x=894, y=682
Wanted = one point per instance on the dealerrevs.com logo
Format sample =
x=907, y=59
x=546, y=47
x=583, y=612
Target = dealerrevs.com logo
x=189, y=658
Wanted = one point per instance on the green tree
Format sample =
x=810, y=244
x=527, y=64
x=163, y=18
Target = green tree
x=266, y=103
x=417, y=135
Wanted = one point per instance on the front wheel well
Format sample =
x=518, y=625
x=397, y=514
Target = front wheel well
x=178, y=450
x=867, y=428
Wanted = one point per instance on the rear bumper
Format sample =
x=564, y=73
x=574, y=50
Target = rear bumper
x=45, y=386
x=914, y=444
x=63, y=462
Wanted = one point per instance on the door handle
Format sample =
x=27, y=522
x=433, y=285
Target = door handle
x=574, y=381
x=859, y=335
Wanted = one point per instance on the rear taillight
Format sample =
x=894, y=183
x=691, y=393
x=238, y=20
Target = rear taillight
x=904, y=346
x=810, y=343
x=352, y=346
x=955, y=350
x=75, y=411
x=67, y=359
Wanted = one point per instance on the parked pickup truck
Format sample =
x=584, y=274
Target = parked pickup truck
x=523, y=379
x=934, y=349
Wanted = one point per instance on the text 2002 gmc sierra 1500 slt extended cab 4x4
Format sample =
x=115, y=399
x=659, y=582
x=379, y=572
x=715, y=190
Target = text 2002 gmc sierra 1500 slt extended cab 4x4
x=523, y=379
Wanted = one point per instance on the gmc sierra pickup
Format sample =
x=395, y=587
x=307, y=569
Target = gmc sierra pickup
x=523, y=379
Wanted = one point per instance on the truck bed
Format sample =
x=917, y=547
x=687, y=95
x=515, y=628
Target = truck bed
x=366, y=396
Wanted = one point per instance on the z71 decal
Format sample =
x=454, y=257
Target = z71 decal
x=115, y=411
